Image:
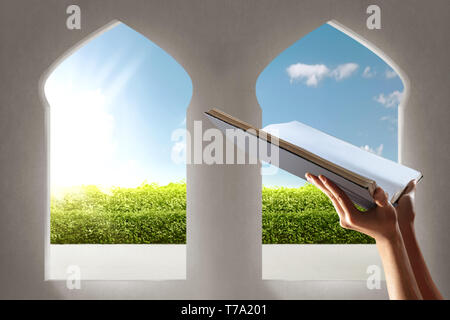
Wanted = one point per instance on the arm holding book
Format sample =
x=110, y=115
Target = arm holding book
x=407, y=276
x=405, y=215
x=305, y=149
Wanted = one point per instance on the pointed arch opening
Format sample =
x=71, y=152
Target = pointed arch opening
x=335, y=81
x=116, y=178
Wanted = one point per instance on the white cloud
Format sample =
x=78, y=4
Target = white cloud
x=391, y=100
x=377, y=151
x=390, y=74
x=391, y=120
x=312, y=74
x=344, y=71
x=368, y=73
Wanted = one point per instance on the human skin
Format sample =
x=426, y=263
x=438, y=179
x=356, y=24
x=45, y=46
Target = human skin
x=407, y=275
x=405, y=216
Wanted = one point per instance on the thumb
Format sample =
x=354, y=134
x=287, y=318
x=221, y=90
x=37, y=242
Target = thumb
x=380, y=197
x=408, y=195
x=410, y=188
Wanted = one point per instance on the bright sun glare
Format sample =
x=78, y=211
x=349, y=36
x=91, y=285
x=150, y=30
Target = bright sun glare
x=113, y=105
x=82, y=147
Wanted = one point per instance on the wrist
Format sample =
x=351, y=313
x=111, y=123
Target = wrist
x=407, y=226
x=395, y=236
x=405, y=218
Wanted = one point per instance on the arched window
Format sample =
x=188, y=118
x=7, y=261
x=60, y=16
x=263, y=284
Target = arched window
x=114, y=104
x=331, y=82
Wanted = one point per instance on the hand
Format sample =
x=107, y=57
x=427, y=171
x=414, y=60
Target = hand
x=379, y=222
x=405, y=206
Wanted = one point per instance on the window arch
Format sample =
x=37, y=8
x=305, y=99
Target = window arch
x=331, y=82
x=114, y=103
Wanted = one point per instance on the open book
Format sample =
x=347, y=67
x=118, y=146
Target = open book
x=304, y=149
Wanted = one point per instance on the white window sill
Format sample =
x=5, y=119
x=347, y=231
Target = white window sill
x=168, y=262
x=118, y=262
x=319, y=261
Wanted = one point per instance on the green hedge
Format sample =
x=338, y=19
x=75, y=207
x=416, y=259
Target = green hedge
x=308, y=227
x=157, y=214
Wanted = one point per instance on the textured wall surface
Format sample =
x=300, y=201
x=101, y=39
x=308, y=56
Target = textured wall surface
x=223, y=45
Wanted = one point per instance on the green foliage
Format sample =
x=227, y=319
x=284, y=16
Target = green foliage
x=306, y=198
x=307, y=227
x=157, y=214
x=80, y=226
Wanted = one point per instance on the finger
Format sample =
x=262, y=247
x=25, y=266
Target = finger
x=354, y=218
x=380, y=197
x=410, y=187
x=348, y=220
x=342, y=198
x=316, y=181
x=408, y=195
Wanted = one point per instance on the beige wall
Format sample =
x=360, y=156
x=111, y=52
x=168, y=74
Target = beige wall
x=223, y=45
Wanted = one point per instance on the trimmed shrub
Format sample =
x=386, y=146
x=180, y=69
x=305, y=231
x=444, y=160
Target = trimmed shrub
x=157, y=214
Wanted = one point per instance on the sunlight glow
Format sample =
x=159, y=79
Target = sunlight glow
x=113, y=104
x=82, y=148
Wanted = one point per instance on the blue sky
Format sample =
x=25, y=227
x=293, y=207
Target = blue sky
x=116, y=101
x=331, y=82
x=114, y=104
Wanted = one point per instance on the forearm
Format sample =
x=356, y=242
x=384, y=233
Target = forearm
x=422, y=275
x=400, y=279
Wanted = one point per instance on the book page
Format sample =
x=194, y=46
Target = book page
x=389, y=175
